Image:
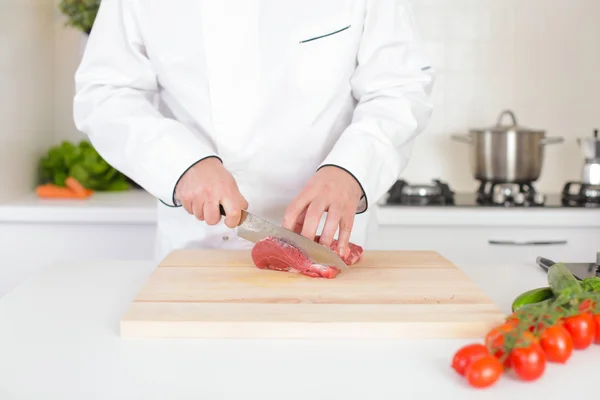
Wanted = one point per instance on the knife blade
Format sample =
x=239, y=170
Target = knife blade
x=254, y=229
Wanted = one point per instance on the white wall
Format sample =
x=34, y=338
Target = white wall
x=68, y=45
x=26, y=90
x=540, y=58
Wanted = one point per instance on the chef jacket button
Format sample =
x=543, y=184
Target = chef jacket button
x=225, y=237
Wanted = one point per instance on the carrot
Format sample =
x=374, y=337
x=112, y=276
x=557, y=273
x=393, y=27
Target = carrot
x=74, y=185
x=50, y=191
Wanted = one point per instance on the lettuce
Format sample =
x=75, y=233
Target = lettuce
x=591, y=284
x=82, y=162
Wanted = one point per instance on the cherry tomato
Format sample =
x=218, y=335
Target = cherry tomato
x=587, y=305
x=582, y=328
x=528, y=362
x=526, y=339
x=484, y=372
x=467, y=355
x=512, y=319
x=495, y=338
x=515, y=320
x=597, y=321
x=533, y=328
x=557, y=344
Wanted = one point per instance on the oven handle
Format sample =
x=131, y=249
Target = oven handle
x=526, y=243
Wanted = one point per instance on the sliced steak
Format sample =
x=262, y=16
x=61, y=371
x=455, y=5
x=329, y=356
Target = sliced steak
x=275, y=254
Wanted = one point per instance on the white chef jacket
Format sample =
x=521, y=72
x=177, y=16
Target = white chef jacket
x=275, y=88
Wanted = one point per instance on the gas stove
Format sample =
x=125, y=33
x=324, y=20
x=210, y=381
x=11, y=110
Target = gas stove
x=586, y=196
x=438, y=193
x=509, y=194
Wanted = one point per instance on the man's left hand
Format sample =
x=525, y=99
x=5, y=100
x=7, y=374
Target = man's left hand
x=330, y=190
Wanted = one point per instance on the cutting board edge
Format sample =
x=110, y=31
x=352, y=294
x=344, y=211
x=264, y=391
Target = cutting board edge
x=137, y=322
x=305, y=331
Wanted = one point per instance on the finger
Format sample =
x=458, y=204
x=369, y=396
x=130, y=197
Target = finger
x=188, y=206
x=233, y=211
x=311, y=220
x=212, y=215
x=331, y=226
x=296, y=207
x=300, y=222
x=198, y=209
x=346, y=223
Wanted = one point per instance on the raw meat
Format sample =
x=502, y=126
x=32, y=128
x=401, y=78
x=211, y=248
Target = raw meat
x=353, y=253
x=275, y=254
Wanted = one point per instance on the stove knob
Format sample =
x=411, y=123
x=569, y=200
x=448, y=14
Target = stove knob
x=519, y=198
x=499, y=197
x=591, y=192
x=539, y=198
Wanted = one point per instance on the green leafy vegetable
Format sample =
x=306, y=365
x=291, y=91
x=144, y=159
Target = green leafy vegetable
x=562, y=281
x=591, y=284
x=81, y=14
x=82, y=162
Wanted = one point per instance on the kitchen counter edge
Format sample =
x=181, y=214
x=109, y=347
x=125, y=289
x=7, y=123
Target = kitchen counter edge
x=139, y=207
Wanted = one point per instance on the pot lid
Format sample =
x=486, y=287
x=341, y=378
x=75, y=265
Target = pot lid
x=505, y=128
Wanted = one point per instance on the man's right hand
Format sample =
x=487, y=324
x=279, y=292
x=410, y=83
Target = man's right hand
x=206, y=185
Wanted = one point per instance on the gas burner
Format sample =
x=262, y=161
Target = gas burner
x=509, y=195
x=436, y=194
x=587, y=195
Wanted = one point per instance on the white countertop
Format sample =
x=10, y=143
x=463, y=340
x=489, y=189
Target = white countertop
x=59, y=340
x=489, y=216
x=130, y=207
x=139, y=207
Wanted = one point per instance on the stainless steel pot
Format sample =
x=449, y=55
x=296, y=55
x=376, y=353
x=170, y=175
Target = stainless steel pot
x=506, y=153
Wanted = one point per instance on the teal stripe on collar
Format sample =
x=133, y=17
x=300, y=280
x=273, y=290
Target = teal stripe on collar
x=328, y=34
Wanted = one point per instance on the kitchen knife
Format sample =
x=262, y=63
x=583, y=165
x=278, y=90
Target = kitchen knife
x=254, y=229
x=579, y=270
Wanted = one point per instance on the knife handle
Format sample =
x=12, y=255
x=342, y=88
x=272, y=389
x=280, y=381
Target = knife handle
x=242, y=218
x=544, y=263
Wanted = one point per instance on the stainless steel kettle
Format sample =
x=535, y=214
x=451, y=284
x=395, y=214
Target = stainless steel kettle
x=590, y=148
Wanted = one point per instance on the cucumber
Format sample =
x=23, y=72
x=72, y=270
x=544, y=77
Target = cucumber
x=562, y=281
x=532, y=296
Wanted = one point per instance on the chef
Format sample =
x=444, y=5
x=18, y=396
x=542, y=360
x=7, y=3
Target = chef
x=302, y=112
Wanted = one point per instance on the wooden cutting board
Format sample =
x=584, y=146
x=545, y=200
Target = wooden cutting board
x=388, y=294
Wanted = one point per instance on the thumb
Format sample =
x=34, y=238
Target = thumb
x=243, y=202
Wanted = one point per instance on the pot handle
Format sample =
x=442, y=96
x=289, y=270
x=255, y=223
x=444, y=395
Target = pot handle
x=509, y=113
x=551, y=140
x=462, y=138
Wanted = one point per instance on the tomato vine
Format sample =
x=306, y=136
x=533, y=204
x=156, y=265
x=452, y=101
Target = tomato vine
x=535, y=334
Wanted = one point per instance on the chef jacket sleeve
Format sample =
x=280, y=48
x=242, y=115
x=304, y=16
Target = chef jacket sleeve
x=115, y=107
x=392, y=84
